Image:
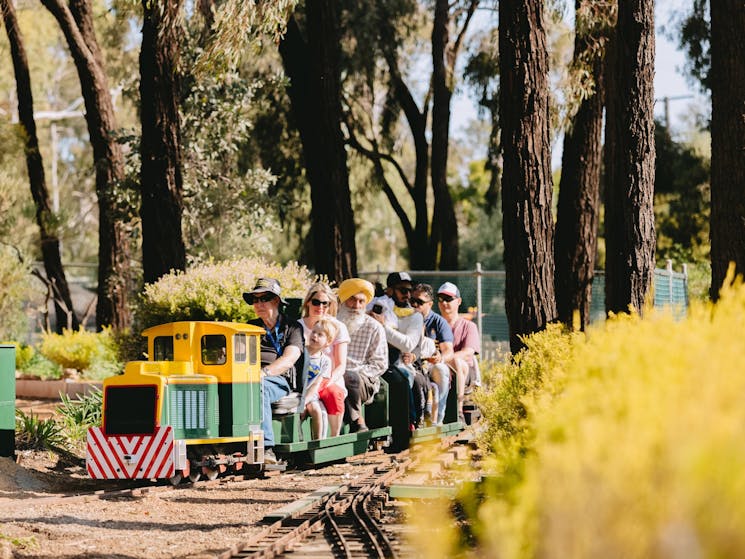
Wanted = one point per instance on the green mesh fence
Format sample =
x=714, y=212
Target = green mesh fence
x=670, y=288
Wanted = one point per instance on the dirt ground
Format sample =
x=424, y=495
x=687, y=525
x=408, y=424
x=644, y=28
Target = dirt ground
x=187, y=522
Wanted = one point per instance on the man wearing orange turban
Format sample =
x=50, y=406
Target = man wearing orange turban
x=367, y=354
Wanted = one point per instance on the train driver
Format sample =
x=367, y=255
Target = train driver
x=281, y=347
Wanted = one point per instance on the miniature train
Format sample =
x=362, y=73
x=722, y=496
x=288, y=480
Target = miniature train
x=194, y=408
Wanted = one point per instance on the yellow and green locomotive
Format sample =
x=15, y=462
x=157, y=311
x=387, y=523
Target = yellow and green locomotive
x=194, y=408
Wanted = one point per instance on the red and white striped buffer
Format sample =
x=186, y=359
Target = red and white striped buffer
x=134, y=456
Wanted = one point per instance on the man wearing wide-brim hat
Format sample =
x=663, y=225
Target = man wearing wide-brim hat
x=281, y=347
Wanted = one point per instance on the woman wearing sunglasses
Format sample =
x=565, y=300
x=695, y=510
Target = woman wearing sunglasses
x=321, y=302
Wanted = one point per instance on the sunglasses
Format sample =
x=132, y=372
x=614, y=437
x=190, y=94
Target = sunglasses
x=319, y=303
x=403, y=289
x=263, y=298
x=416, y=302
x=445, y=298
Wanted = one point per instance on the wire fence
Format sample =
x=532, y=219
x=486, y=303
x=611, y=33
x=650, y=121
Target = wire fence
x=483, y=293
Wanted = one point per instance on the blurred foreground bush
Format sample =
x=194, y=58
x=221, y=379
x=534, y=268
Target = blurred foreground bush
x=625, y=442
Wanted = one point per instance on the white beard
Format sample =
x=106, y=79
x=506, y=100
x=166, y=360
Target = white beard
x=353, y=319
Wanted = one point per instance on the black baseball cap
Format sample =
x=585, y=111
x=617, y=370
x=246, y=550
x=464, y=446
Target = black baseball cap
x=395, y=278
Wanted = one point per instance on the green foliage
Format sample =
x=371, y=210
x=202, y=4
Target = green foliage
x=682, y=200
x=472, y=200
x=40, y=366
x=84, y=410
x=695, y=39
x=215, y=291
x=83, y=351
x=699, y=280
x=80, y=413
x=17, y=289
x=239, y=28
x=227, y=207
x=33, y=433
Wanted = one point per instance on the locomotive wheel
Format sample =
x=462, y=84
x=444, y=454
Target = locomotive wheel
x=176, y=479
x=194, y=475
x=211, y=474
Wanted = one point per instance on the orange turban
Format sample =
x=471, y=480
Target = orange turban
x=353, y=287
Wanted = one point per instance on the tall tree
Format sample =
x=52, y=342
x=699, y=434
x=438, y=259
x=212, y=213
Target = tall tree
x=432, y=243
x=50, y=250
x=727, y=80
x=528, y=227
x=312, y=64
x=160, y=148
x=630, y=159
x=76, y=21
x=579, y=192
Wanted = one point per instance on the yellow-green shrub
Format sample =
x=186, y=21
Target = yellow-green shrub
x=82, y=350
x=215, y=291
x=626, y=442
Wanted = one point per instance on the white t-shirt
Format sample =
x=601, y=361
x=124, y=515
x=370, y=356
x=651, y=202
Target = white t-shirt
x=342, y=337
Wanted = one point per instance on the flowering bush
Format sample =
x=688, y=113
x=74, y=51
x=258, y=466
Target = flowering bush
x=215, y=291
x=628, y=441
x=84, y=351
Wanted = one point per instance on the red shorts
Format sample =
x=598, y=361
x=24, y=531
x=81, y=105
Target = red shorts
x=332, y=396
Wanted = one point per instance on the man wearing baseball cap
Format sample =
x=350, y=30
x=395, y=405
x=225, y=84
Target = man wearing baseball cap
x=466, y=340
x=403, y=337
x=281, y=346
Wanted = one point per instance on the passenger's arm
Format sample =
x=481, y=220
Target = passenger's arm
x=445, y=352
x=290, y=354
x=406, y=339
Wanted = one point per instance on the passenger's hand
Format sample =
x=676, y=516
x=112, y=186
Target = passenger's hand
x=379, y=317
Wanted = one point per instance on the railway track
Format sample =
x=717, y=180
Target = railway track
x=340, y=524
x=346, y=522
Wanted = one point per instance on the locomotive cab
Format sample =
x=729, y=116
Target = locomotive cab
x=201, y=386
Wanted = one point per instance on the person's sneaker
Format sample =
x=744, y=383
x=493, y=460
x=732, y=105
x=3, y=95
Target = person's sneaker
x=270, y=457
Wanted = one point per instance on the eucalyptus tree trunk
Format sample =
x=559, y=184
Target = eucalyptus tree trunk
x=55, y=273
x=444, y=235
x=114, y=284
x=312, y=65
x=630, y=159
x=528, y=227
x=161, y=183
x=727, y=79
x=575, y=246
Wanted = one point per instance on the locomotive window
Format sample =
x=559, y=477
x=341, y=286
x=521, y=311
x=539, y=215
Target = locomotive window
x=130, y=410
x=239, y=348
x=163, y=348
x=253, y=353
x=214, y=349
